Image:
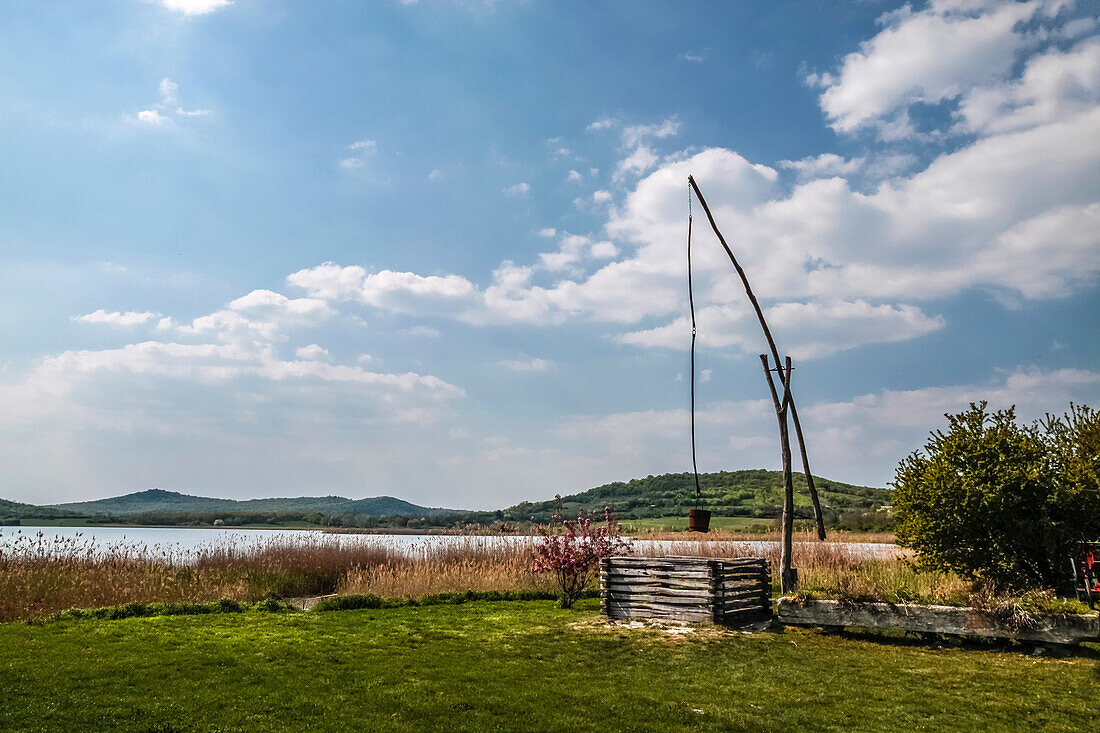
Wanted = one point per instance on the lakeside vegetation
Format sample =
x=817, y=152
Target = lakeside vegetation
x=513, y=666
x=44, y=575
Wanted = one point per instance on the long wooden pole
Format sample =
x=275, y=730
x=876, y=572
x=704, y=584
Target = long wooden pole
x=788, y=398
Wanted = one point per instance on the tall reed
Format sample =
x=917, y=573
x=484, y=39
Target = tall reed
x=43, y=574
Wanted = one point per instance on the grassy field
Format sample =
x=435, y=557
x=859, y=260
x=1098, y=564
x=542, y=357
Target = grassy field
x=680, y=523
x=512, y=666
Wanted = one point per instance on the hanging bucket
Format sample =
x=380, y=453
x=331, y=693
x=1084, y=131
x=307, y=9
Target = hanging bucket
x=699, y=520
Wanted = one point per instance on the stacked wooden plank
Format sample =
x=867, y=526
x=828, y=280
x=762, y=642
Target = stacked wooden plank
x=949, y=620
x=686, y=589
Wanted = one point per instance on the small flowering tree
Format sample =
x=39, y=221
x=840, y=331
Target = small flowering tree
x=573, y=555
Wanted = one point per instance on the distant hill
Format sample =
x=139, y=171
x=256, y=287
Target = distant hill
x=159, y=501
x=751, y=493
x=16, y=510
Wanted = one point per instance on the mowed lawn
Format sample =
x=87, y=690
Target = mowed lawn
x=512, y=666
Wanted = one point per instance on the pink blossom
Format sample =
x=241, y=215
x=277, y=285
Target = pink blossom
x=573, y=555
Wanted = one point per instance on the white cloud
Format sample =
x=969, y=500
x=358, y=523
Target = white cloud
x=603, y=123
x=1054, y=86
x=361, y=149
x=603, y=250
x=634, y=135
x=640, y=160
x=573, y=250
x=115, y=318
x=435, y=175
x=826, y=165
x=602, y=197
x=861, y=439
x=167, y=110
x=519, y=189
x=1013, y=212
x=533, y=364
x=261, y=316
x=926, y=56
x=548, y=232
x=693, y=57
x=195, y=7
x=640, y=154
x=574, y=177
x=211, y=407
x=151, y=117
x=313, y=352
x=810, y=330
x=425, y=332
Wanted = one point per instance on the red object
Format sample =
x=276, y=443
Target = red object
x=1087, y=567
x=698, y=520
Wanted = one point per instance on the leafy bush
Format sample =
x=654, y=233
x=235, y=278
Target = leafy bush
x=574, y=555
x=995, y=501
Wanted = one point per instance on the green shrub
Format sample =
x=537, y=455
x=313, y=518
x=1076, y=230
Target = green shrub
x=145, y=610
x=995, y=501
x=354, y=602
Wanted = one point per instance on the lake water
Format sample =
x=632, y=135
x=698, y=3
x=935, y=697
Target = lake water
x=177, y=541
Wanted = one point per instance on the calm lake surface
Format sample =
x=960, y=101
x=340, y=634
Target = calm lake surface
x=178, y=541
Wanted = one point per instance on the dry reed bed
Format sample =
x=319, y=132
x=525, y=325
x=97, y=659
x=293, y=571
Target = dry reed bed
x=40, y=575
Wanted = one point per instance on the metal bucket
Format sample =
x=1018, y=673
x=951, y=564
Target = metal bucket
x=699, y=520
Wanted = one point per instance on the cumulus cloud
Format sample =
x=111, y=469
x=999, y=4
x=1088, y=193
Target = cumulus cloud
x=924, y=56
x=313, y=352
x=1054, y=85
x=212, y=404
x=519, y=189
x=641, y=156
x=826, y=165
x=116, y=318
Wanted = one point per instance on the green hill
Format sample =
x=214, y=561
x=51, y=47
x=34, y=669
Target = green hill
x=751, y=493
x=159, y=501
x=17, y=510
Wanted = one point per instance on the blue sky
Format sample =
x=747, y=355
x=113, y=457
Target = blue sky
x=435, y=249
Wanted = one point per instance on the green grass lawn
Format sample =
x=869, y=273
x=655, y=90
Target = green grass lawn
x=512, y=666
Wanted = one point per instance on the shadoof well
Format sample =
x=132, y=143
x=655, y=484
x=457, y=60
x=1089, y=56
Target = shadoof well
x=784, y=406
x=705, y=589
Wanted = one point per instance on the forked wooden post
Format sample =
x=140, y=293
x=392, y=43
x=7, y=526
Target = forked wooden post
x=787, y=578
